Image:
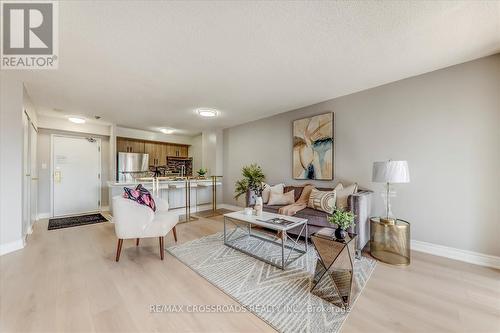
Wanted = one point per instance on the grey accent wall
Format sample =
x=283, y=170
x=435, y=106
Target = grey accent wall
x=445, y=123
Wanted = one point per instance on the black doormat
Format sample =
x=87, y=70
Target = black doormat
x=74, y=221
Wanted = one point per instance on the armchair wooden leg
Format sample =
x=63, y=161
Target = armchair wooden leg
x=161, y=248
x=119, y=249
x=175, y=233
x=137, y=242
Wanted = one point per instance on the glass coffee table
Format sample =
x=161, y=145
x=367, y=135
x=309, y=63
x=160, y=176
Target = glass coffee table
x=279, y=251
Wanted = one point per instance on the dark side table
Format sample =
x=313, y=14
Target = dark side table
x=334, y=273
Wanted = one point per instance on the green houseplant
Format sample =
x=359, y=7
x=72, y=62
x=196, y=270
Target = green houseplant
x=343, y=220
x=202, y=172
x=252, y=181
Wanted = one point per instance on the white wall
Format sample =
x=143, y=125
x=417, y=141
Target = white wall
x=195, y=151
x=212, y=147
x=29, y=107
x=445, y=123
x=152, y=136
x=63, y=124
x=11, y=162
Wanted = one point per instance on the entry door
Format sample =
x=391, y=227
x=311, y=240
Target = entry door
x=76, y=175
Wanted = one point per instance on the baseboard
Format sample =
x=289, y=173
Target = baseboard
x=43, y=216
x=11, y=247
x=457, y=254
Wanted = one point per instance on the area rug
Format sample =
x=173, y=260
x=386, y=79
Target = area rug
x=73, y=221
x=280, y=298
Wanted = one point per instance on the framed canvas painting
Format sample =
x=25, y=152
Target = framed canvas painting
x=313, y=147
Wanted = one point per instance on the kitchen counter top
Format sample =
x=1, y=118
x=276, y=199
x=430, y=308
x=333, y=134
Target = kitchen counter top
x=162, y=181
x=172, y=190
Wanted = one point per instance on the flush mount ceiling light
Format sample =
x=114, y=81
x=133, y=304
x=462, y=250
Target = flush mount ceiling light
x=77, y=120
x=167, y=130
x=209, y=113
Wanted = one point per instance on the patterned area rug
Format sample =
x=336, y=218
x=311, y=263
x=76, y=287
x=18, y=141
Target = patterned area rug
x=73, y=221
x=280, y=298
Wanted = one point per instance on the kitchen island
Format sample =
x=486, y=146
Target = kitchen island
x=173, y=191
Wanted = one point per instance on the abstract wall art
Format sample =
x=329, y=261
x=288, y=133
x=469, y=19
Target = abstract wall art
x=313, y=147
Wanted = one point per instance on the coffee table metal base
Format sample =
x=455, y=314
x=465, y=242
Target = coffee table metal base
x=283, y=243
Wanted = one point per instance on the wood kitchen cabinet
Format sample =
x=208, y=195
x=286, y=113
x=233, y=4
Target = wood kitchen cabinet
x=129, y=145
x=158, y=151
x=184, y=151
x=177, y=151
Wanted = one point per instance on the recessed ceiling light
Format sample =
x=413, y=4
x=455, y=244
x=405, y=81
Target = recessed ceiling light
x=167, y=131
x=77, y=120
x=208, y=113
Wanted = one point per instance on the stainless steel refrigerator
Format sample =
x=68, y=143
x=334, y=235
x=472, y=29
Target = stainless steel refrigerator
x=132, y=166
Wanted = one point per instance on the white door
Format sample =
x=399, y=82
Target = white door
x=76, y=166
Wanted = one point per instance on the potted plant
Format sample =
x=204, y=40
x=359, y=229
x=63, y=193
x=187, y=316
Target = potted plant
x=202, y=172
x=251, y=184
x=343, y=220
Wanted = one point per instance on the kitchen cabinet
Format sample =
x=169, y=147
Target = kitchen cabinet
x=157, y=153
x=177, y=151
x=184, y=151
x=129, y=145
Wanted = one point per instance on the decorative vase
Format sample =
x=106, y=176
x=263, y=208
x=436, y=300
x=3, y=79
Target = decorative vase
x=340, y=233
x=258, y=205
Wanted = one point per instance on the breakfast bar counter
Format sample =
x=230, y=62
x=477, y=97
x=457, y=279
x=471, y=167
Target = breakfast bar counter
x=172, y=190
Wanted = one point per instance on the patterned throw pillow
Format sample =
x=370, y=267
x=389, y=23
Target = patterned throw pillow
x=140, y=195
x=322, y=200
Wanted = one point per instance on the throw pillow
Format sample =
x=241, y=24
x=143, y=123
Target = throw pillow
x=277, y=199
x=278, y=188
x=343, y=195
x=140, y=195
x=322, y=200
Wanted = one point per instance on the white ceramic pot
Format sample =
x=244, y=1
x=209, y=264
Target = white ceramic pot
x=258, y=205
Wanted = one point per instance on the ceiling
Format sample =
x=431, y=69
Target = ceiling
x=151, y=64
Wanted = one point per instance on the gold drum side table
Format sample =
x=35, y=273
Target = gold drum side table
x=390, y=242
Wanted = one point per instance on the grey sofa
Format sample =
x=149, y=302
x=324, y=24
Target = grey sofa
x=359, y=203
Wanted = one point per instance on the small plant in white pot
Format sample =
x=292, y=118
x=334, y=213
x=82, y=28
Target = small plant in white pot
x=343, y=220
x=202, y=172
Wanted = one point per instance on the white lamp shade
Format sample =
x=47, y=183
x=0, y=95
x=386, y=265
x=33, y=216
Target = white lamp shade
x=391, y=172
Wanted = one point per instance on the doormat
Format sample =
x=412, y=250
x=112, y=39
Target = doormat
x=74, y=221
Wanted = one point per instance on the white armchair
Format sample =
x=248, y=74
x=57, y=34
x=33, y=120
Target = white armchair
x=135, y=221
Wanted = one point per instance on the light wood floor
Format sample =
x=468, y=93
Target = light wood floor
x=67, y=281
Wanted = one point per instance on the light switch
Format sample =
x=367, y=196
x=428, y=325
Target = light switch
x=57, y=176
x=44, y=166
